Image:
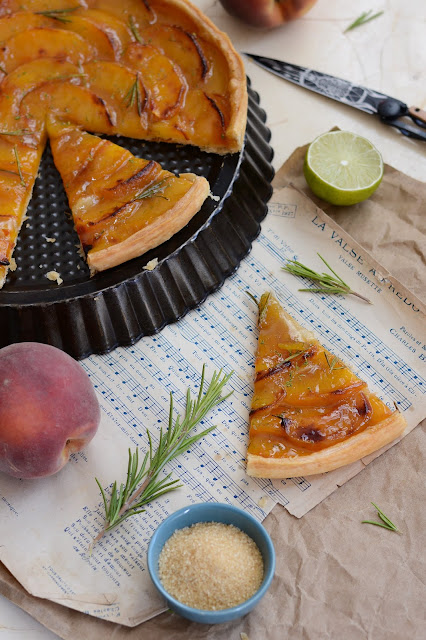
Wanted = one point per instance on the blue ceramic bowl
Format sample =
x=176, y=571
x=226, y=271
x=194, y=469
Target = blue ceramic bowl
x=212, y=512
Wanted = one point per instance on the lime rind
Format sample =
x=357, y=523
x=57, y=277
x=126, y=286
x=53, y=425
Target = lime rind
x=343, y=168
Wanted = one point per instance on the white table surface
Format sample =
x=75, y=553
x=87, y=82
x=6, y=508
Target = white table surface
x=388, y=54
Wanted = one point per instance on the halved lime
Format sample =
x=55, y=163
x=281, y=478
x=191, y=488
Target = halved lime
x=343, y=168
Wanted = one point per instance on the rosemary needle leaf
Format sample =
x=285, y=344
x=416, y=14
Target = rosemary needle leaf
x=133, y=28
x=57, y=14
x=386, y=522
x=18, y=164
x=365, y=17
x=143, y=484
x=378, y=524
x=383, y=517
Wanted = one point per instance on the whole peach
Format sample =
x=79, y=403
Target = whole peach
x=48, y=409
x=267, y=13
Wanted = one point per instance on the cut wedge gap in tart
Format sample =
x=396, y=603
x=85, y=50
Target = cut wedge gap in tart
x=310, y=413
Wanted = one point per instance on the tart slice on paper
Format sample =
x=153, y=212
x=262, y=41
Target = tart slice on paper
x=310, y=413
x=122, y=206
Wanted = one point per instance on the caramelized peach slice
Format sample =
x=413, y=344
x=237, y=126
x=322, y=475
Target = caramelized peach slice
x=117, y=32
x=123, y=91
x=200, y=121
x=10, y=25
x=101, y=43
x=182, y=47
x=72, y=101
x=44, y=42
x=92, y=156
x=164, y=82
x=28, y=77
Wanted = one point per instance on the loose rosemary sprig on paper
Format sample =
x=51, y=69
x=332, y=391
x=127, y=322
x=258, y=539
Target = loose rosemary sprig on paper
x=155, y=189
x=57, y=14
x=133, y=28
x=365, y=16
x=327, y=283
x=143, y=484
x=134, y=95
x=386, y=522
x=18, y=164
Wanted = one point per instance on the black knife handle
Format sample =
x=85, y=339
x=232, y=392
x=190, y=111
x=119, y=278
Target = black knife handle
x=391, y=112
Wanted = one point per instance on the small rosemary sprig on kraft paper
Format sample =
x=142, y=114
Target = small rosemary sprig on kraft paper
x=18, y=164
x=133, y=28
x=57, y=14
x=365, y=17
x=143, y=484
x=155, y=189
x=134, y=95
x=326, y=283
x=386, y=522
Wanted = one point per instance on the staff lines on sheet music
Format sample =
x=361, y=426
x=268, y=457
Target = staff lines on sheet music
x=264, y=483
x=219, y=360
x=330, y=337
x=233, y=341
x=333, y=304
x=280, y=254
x=213, y=467
x=376, y=342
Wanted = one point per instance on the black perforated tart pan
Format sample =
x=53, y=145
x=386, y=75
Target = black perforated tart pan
x=117, y=307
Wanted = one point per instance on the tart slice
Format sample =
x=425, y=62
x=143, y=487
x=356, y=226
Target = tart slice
x=310, y=413
x=122, y=206
x=20, y=155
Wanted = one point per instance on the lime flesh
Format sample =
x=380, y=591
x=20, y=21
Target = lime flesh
x=343, y=168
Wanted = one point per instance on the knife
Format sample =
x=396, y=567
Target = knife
x=390, y=110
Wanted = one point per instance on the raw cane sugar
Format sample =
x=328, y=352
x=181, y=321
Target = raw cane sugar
x=211, y=566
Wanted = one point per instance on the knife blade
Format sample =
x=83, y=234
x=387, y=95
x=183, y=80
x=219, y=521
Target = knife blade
x=391, y=111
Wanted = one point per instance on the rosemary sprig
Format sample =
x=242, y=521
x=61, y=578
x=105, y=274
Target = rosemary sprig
x=153, y=190
x=365, y=17
x=133, y=28
x=134, y=95
x=333, y=362
x=18, y=164
x=293, y=355
x=16, y=132
x=143, y=484
x=327, y=283
x=57, y=14
x=386, y=522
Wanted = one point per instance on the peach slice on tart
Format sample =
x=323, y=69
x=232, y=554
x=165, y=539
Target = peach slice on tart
x=163, y=81
x=44, y=42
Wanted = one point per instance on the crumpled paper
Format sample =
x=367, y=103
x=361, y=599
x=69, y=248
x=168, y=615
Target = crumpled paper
x=335, y=577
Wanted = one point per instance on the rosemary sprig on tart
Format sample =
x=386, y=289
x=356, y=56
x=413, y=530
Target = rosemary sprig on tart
x=57, y=14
